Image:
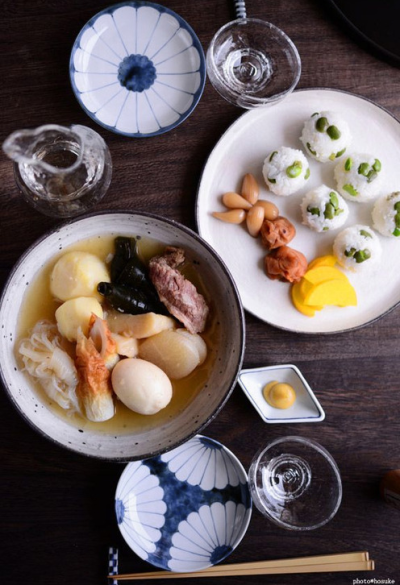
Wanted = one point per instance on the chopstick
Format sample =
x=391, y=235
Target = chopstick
x=355, y=561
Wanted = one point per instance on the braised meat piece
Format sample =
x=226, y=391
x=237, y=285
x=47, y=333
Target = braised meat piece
x=286, y=264
x=277, y=232
x=177, y=293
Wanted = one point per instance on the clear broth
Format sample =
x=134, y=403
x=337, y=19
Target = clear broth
x=39, y=304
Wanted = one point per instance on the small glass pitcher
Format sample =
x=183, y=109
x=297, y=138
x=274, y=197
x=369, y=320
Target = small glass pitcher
x=60, y=171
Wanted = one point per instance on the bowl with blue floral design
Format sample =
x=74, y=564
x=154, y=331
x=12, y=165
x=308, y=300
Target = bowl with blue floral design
x=137, y=69
x=187, y=509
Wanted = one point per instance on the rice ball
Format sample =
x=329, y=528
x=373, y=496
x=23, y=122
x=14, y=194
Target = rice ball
x=386, y=215
x=285, y=171
x=324, y=209
x=326, y=136
x=357, y=248
x=359, y=177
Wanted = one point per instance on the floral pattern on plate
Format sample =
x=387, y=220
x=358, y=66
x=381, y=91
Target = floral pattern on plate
x=187, y=509
x=137, y=69
x=206, y=537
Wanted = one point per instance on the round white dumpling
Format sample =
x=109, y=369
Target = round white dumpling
x=357, y=248
x=77, y=274
x=324, y=209
x=141, y=386
x=75, y=314
x=285, y=171
x=386, y=215
x=326, y=136
x=359, y=177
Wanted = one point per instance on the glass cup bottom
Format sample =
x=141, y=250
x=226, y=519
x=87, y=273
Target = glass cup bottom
x=295, y=483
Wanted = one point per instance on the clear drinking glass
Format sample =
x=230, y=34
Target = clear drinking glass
x=60, y=171
x=251, y=63
x=295, y=483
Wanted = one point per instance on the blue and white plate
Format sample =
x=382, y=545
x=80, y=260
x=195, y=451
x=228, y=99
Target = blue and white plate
x=138, y=69
x=187, y=509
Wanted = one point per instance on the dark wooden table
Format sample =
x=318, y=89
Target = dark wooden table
x=56, y=507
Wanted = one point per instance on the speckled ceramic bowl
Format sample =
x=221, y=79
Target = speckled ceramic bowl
x=136, y=443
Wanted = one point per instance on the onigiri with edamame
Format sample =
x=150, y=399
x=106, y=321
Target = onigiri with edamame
x=285, y=171
x=326, y=136
x=357, y=248
x=324, y=209
x=386, y=215
x=359, y=177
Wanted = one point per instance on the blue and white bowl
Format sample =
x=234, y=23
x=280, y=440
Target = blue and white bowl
x=137, y=69
x=187, y=509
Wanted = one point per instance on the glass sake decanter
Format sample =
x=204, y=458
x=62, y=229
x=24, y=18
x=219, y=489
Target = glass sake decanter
x=60, y=171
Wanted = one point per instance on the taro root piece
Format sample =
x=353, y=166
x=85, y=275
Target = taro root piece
x=286, y=264
x=277, y=232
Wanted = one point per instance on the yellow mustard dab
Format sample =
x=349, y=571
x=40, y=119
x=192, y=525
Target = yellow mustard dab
x=279, y=395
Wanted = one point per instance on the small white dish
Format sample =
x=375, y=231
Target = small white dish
x=137, y=69
x=306, y=407
x=187, y=509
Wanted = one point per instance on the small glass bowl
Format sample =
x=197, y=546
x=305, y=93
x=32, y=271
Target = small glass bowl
x=295, y=483
x=252, y=63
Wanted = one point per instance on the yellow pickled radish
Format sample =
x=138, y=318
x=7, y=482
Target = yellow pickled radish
x=250, y=189
x=254, y=220
x=235, y=201
x=233, y=216
x=332, y=292
x=298, y=301
x=327, y=260
x=323, y=273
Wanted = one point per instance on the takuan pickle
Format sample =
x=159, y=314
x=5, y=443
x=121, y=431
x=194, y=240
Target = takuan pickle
x=321, y=285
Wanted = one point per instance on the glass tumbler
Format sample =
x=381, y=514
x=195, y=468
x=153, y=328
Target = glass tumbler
x=295, y=483
x=251, y=63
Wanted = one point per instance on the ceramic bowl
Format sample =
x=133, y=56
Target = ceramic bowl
x=306, y=407
x=187, y=509
x=148, y=438
x=137, y=69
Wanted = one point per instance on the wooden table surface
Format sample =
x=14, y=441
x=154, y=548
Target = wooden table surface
x=56, y=507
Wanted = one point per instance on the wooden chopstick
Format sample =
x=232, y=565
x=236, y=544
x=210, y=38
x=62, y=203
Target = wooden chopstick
x=356, y=561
